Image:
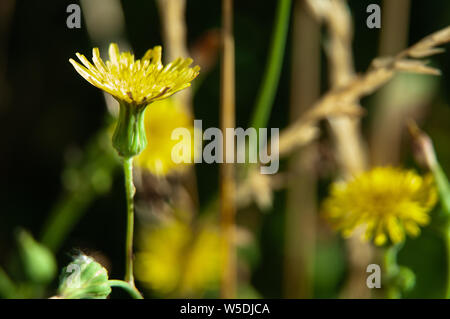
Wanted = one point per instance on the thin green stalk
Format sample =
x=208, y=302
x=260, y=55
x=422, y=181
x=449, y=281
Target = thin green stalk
x=269, y=86
x=425, y=149
x=131, y=289
x=447, y=248
x=66, y=213
x=444, y=194
x=391, y=270
x=443, y=187
x=130, y=191
x=88, y=177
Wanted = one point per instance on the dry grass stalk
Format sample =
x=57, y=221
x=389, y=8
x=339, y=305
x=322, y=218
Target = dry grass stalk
x=387, y=125
x=395, y=26
x=174, y=28
x=337, y=18
x=427, y=46
x=105, y=20
x=351, y=152
x=350, y=149
x=227, y=171
x=338, y=101
x=173, y=22
x=258, y=188
x=301, y=196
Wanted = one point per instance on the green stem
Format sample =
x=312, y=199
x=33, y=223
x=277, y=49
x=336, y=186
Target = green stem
x=443, y=186
x=447, y=246
x=269, y=86
x=131, y=289
x=89, y=178
x=63, y=217
x=130, y=191
x=391, y=270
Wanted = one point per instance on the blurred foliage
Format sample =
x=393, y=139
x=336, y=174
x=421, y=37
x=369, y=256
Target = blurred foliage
x=49, y=112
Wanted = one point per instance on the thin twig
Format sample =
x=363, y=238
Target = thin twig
x=227, y=173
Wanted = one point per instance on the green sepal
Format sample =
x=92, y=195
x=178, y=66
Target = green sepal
x=129, y=135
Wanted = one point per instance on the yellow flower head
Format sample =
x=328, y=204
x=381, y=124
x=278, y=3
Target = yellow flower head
x=160, y=122
x=175, y=259
x=138, y=82
x=386, y=202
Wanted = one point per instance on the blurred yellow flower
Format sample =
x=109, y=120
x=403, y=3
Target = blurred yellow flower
x=160, y=121
x=386, y=202
x=138, y=82
x=176, y=260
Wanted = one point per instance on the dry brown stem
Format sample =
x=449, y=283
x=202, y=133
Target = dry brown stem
x=339, y=101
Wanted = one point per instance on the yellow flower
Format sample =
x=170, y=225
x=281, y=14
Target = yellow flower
x=160, y=121
x=138, y=82
x=176, y=260
x=134, y=84
x=385, y=202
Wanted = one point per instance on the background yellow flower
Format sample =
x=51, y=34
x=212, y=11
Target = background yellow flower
x=176, y=259
x=386, y=201
x=161, y=119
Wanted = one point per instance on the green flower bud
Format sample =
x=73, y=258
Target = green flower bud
x=38, y=261
x=129, y=136
x=84, y=278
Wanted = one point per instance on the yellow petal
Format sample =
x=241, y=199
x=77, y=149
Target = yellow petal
x=114, y=53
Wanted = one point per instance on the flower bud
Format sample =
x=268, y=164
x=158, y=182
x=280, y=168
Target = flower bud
x=84, y=278
x=38, y=261
x=422, y=146
x=129, y=136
